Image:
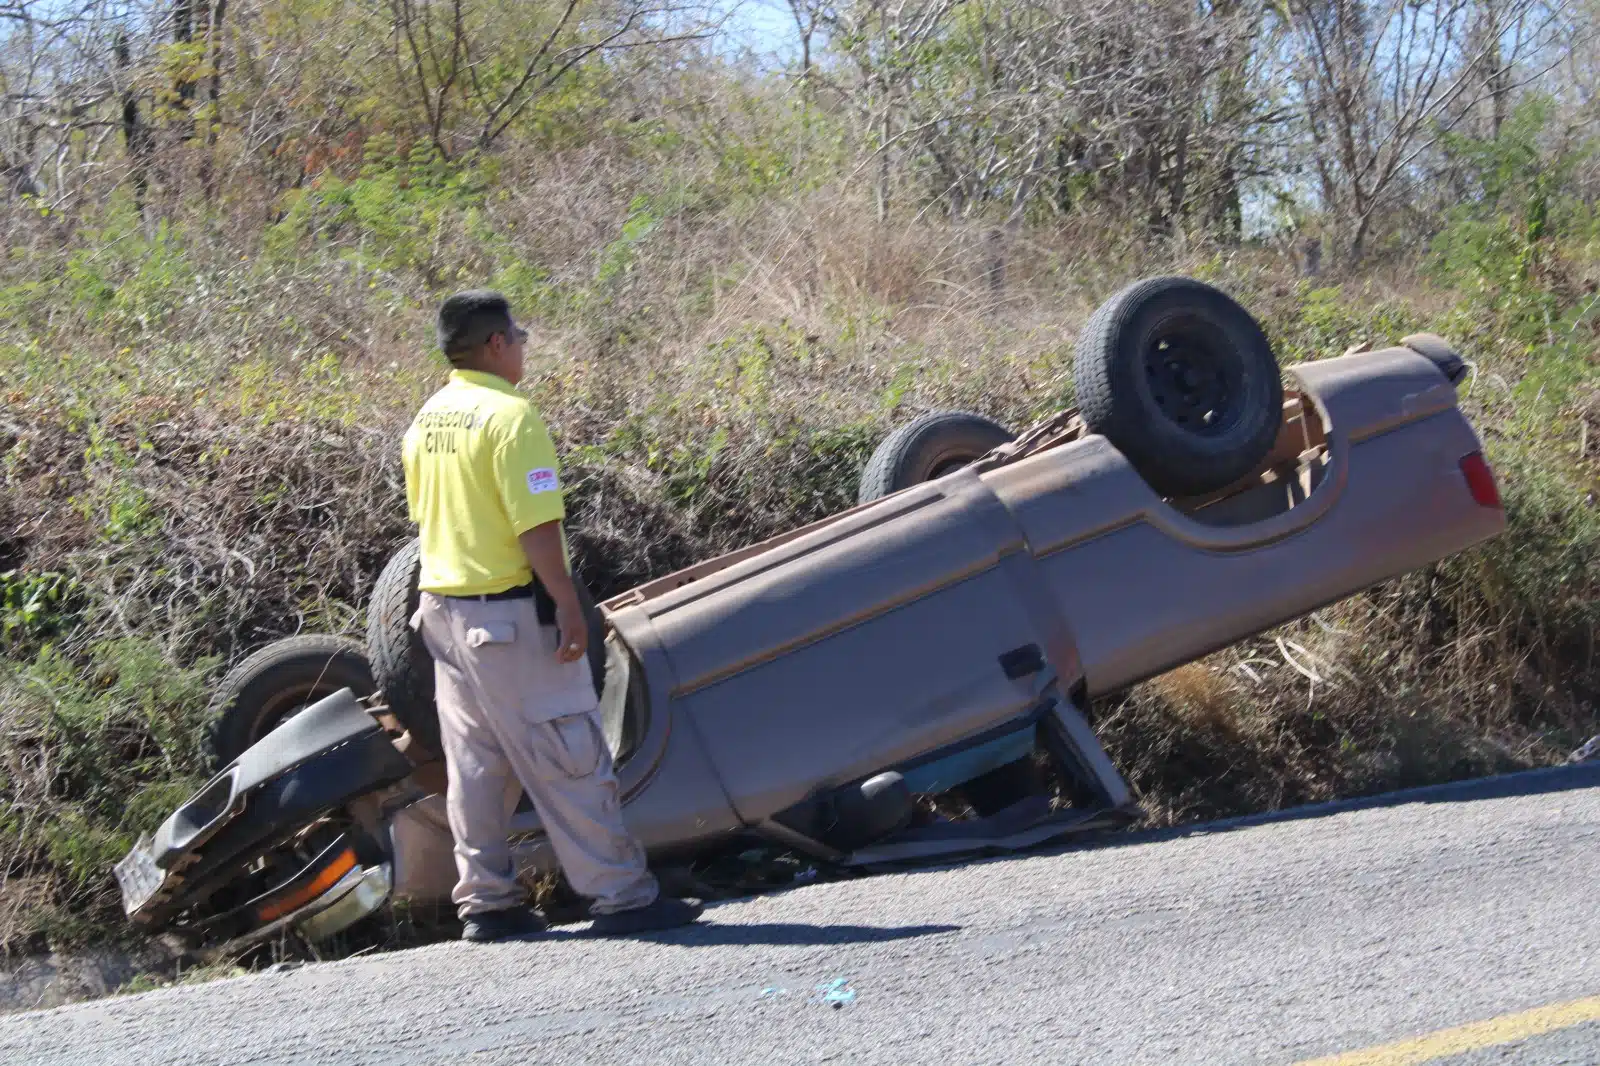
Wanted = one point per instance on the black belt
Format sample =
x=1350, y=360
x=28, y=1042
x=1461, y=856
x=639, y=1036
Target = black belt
x=521, y=592
x=543, y=605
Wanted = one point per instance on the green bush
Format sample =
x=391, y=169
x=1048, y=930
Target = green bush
x=96, y=754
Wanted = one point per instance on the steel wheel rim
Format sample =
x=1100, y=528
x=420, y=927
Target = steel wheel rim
x=1193, y=379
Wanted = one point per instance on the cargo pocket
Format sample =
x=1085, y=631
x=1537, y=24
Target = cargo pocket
x=557, y=689
x=577, y=744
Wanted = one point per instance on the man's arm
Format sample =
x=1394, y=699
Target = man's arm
x=542, y=546
x=530, y=488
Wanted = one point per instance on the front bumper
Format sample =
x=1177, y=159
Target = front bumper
x=314, y=764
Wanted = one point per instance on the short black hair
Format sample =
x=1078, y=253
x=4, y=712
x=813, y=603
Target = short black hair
x=468, y=319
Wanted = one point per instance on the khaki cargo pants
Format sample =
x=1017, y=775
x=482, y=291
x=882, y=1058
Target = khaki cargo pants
x=512, y=717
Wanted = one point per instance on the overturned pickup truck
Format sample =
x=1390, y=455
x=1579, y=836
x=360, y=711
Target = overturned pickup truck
x=945, y=635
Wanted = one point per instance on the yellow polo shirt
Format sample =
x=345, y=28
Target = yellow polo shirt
x=480, y=470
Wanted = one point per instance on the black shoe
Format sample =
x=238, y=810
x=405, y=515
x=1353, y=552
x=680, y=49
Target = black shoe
x=508, y=924
x=667, y=912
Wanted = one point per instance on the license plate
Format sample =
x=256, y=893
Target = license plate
x=139, y=876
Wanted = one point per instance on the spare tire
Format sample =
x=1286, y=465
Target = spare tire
x=277, y=682
x=1182, y=381
x=401, y=665
x=926, y=448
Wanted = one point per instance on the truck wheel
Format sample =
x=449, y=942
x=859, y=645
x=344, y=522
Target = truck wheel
x=1182, y=381
x=926, y=448
x=401, y=665
x=276, y=683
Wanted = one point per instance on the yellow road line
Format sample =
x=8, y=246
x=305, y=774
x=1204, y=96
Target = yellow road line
x=1470, y=1037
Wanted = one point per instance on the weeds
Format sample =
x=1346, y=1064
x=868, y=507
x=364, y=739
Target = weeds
x=96, y=752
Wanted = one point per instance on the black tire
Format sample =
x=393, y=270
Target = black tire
x=926, y=448
x=402, y=668
x=401, y=665
x=277, y=682
x=1182, y=381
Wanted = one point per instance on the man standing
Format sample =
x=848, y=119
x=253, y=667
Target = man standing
x=500, y=615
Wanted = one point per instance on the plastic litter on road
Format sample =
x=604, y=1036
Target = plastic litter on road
x=837, y=993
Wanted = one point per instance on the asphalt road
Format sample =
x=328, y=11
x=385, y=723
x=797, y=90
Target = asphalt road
x=1460, y=927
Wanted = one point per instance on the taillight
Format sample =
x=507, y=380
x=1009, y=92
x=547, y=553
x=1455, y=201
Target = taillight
x=1480, y=480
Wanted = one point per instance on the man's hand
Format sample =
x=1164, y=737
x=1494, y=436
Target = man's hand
x=574, y=630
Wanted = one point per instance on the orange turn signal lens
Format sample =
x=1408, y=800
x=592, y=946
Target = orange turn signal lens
x=312, y=889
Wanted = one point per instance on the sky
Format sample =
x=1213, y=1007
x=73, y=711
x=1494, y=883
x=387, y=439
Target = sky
x=764, y=27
